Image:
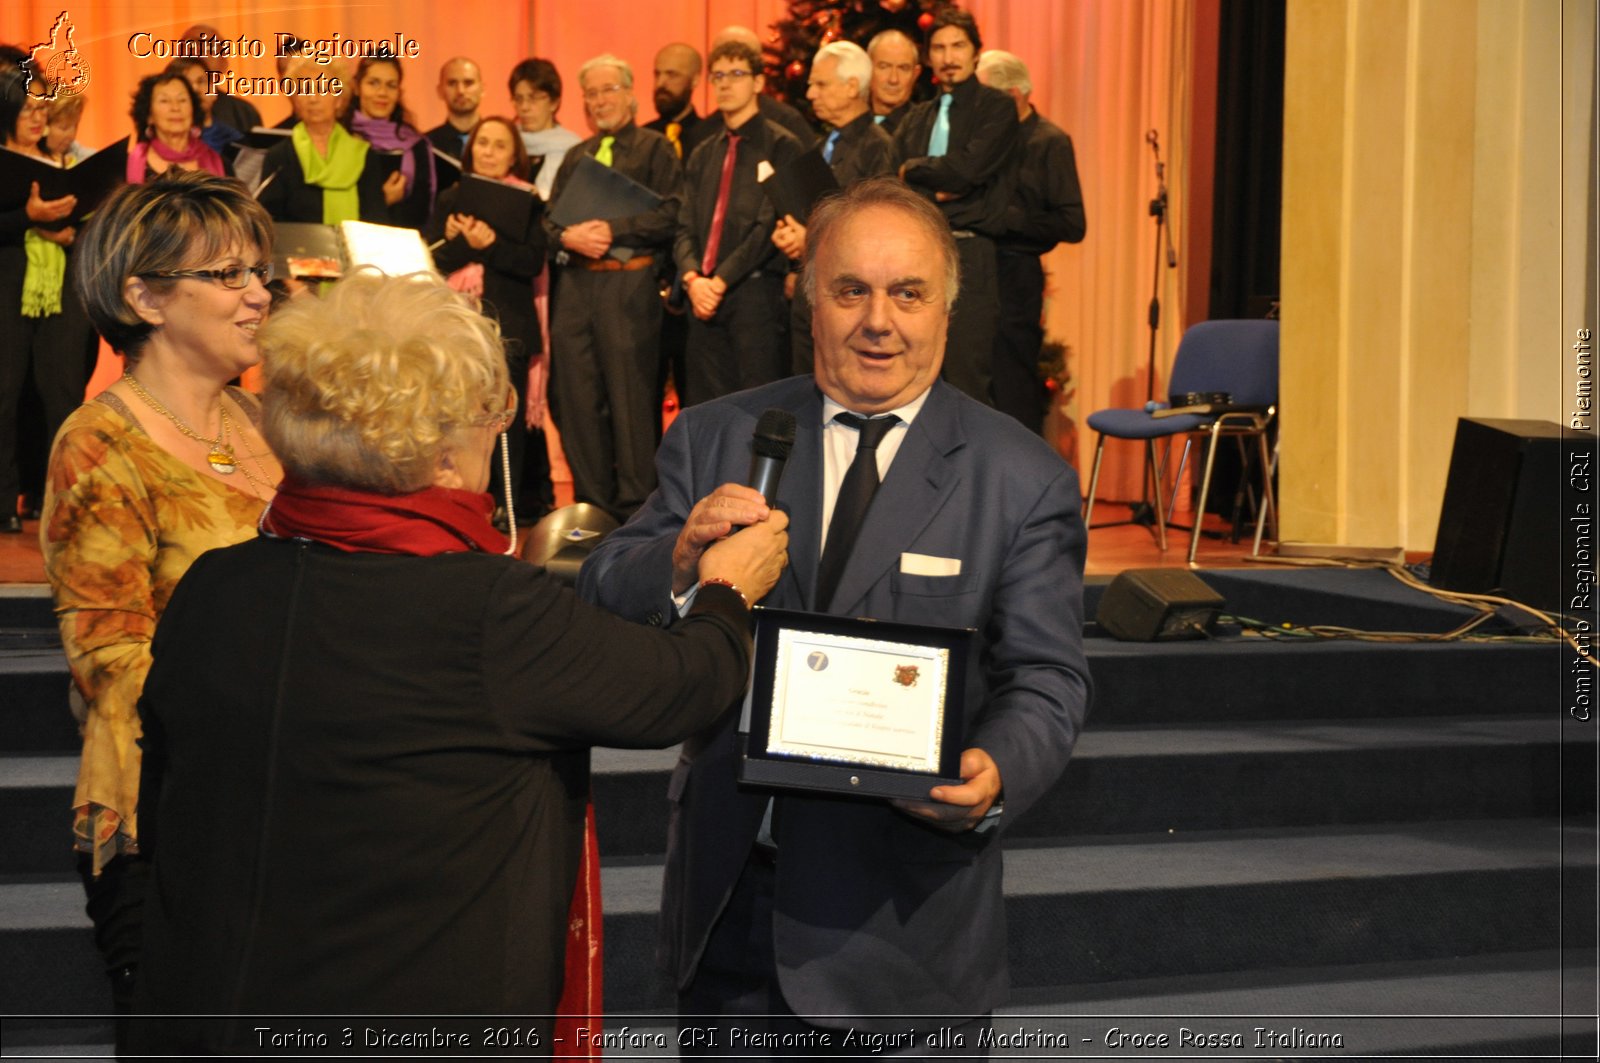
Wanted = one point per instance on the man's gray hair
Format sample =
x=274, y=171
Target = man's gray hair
x=1005, y=71
x=623, y=69
x=852, y=63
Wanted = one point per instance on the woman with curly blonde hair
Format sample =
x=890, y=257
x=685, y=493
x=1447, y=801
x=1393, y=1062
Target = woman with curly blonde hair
x=379, y=809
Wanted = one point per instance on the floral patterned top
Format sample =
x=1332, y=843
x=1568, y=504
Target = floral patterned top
x=123, y=520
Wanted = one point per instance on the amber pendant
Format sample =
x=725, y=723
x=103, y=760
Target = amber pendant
x=222, y=460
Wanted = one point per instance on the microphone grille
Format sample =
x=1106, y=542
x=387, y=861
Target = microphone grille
x=774, y=434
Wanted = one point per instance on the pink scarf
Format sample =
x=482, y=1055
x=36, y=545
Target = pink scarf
x=196, y=151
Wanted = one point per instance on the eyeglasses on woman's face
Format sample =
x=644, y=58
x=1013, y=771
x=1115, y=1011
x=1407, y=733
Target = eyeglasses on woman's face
x=228, y=276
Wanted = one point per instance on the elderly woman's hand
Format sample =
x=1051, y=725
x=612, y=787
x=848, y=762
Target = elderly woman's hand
x=751, y=558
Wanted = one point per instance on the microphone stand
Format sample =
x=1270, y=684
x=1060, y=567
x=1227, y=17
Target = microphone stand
x=1142, y=512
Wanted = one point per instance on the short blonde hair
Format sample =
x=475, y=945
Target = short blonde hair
x=373, y=384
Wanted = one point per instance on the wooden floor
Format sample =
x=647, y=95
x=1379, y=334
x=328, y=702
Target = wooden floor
x=1111, y=550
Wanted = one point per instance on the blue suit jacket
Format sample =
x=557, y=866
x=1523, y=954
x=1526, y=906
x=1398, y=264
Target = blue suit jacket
x=876, y=914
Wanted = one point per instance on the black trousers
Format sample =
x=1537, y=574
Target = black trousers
x=1016, y=385
x=55, y=351
x=974, y=320
x=735, y=1008
x=744, y=345
x=605, y=336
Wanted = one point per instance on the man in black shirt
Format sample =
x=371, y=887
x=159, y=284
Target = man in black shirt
x=461, y=88
x=605, y=325
x=738, y=334
x=677, y=75
x=1045, y=209
x=895, y=69
x=957, y=151
x=772, y=108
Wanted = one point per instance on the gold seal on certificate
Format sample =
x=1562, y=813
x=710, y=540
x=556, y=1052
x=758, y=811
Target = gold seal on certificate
x=854, y=706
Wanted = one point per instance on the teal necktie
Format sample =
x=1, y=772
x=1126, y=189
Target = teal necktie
x=827, y=149
x=939, y=141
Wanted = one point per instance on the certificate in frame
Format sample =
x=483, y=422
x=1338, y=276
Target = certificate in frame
x=854, y=706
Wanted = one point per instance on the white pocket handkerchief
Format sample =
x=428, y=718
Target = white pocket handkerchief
x=924, y=565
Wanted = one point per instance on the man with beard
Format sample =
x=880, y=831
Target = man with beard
x=895, y=69
x=677, y=71
x=461, y=88
x=677, y=75
x=605, y=330
x=957, y=151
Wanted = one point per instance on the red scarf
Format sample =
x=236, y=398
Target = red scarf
x=434, y=520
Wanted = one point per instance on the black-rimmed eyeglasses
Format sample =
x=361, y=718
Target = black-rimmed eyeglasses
x=228, y=276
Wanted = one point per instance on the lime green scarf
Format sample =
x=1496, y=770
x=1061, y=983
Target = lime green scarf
x=47, y=271
x=336, y=173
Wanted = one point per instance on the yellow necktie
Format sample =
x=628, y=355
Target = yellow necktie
x=675, y=135
x=603, y=156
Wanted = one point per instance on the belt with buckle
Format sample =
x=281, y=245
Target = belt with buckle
x=615, y=265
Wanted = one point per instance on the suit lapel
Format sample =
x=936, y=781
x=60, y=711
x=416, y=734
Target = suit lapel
x=800, y=493
x=919, y=481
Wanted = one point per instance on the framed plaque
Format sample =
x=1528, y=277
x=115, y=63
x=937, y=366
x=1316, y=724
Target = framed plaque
x=854, y=706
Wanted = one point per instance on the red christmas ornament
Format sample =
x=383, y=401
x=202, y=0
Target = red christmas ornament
x=925, y=21
x=796, y=69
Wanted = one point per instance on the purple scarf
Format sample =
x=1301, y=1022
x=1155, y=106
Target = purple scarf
x=386, y=134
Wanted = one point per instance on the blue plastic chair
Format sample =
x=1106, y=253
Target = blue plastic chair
x=1239, y=358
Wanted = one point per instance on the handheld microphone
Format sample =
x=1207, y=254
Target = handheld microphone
x=770, y=446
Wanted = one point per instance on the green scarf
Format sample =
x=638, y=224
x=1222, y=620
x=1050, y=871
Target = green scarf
x=336, y=174
x=47, y=271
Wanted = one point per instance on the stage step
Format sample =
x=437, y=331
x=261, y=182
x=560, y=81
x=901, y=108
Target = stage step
x=1104, y=910
x=1120, y=781
x=1092, y=911
x=1124, y=780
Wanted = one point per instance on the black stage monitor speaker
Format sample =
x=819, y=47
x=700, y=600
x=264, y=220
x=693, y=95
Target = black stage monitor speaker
x=564, y=538
x=1499, y=527
x=1158, y=605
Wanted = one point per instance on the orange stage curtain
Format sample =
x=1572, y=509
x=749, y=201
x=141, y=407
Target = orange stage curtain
x=1104, y=70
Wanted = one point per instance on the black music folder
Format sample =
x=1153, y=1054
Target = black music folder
x=91, y=180
x=506, y=208
x=595, y=191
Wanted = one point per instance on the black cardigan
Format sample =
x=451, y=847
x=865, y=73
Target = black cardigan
x=509, y=266
x=288, y=197
x=366, y=795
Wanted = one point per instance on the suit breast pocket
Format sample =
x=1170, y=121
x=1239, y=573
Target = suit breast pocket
x=946, y=601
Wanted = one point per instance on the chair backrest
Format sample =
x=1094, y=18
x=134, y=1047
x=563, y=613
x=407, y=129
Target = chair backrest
x=1239, y=357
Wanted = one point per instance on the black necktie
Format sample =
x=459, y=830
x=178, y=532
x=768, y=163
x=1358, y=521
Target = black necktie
x=855, y=497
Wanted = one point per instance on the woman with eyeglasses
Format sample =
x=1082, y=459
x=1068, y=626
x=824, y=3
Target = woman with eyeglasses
x=498, y=267
x=42, y=326
x=378, y=809
x=165, y=464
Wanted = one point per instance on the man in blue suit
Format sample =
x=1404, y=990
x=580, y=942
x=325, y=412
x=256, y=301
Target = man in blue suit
x=799, y=917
